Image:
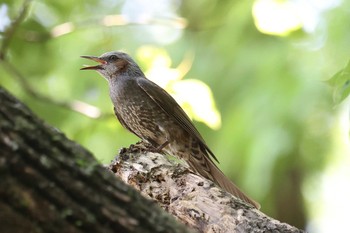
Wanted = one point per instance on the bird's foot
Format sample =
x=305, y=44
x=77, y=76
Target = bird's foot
x=149, y=147
x=124, y=153
x=143, y=146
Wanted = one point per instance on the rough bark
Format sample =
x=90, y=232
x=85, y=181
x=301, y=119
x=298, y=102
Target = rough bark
x=192, y=199
x=51, y=184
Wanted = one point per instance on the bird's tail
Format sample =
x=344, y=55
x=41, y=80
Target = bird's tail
x=203, y=165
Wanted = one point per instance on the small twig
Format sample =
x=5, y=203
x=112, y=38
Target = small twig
x=12, y=29
x=77, y=106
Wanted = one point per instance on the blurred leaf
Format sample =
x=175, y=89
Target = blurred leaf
x=340, y=83
x=201, y=106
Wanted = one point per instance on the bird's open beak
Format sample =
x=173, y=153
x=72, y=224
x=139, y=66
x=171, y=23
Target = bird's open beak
x=97, y=59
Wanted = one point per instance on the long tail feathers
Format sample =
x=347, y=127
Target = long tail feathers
x=206, y=167
x=229, y=186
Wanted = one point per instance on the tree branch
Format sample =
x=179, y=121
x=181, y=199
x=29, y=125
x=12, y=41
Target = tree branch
x=192, y=199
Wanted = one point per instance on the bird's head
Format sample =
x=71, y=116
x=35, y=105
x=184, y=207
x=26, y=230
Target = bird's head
x=113, y=64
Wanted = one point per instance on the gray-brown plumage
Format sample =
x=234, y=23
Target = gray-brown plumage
x=149, y=112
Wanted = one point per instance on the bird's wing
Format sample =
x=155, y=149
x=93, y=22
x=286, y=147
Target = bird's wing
x=171, y=107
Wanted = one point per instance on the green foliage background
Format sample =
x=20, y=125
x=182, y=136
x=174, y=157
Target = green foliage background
x=279, y=120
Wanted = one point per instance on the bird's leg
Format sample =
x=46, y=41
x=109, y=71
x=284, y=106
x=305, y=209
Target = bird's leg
x=153, y=147
x=161, y=147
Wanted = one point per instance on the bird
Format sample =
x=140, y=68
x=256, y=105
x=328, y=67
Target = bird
x=153, y=115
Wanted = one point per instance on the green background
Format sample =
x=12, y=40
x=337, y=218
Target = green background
x=284, y=127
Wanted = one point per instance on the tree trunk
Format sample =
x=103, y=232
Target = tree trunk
x=51, y=184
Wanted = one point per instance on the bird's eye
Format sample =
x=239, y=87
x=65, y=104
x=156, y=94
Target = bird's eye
x=113, y=58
